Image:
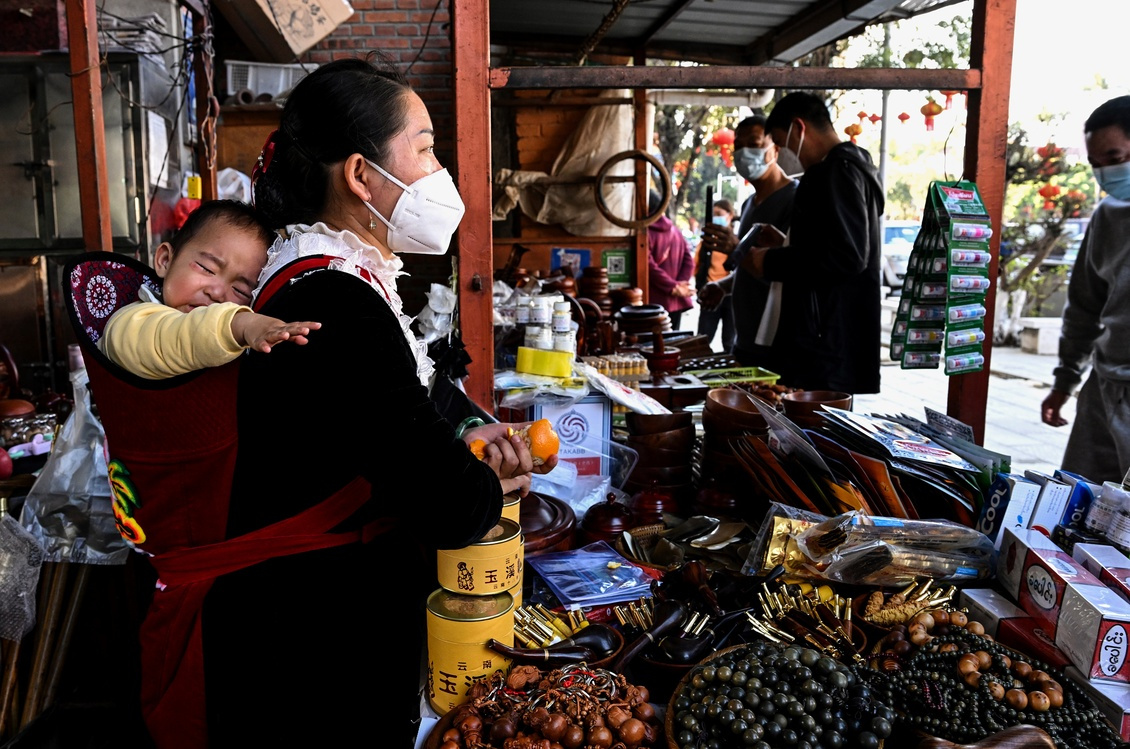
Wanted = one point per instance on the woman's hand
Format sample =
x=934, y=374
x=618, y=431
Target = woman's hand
x=508, y=456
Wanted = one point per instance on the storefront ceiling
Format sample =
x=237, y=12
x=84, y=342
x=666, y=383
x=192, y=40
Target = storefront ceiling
x=723, y=32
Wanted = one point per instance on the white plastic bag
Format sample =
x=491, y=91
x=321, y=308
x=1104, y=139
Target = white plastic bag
x=20, y=563
x=68, y=510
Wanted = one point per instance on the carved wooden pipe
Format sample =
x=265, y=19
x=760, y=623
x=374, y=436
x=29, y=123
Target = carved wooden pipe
x=597, y=637
x=668, y=614
x=1023, y=736
x=555, y=654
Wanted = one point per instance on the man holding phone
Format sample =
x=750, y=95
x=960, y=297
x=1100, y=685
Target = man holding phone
x=829, y=331
x=755, y=158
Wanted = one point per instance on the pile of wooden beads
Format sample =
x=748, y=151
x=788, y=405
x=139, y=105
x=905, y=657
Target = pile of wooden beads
x=944, y=676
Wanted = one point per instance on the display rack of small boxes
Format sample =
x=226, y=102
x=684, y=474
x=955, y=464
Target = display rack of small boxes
x=629, y=369
x=941, y=315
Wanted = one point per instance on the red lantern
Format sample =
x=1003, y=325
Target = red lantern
x=853, y=130
x=903, y=117
x=949, y=97
x=874, y=118
x=723, y=137
x=1049, y=191
x=930, y=110
x=862, y=116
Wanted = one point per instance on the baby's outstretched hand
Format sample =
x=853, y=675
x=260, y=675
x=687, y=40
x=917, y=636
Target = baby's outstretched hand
x=261, y=333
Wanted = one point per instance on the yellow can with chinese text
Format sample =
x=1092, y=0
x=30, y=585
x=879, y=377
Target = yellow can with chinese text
x=492, y=565
x=459, y=628
x=512, y=507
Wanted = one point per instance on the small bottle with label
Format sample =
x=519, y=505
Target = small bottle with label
x=1104, y=513
x=562, y=317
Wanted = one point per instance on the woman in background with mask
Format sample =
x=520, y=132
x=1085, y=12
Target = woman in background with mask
x=708, y=319
x=324, y=648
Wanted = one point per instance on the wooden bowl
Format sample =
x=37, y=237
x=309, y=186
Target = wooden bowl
x=639, y=424
x=675, y=474
x=675, y=439
x=657, y=457
x=735, y=407
x=805, y=402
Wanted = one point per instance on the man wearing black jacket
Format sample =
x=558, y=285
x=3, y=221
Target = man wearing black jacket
x=828, y=331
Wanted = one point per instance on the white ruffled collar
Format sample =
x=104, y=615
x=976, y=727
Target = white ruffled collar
x=351, y=255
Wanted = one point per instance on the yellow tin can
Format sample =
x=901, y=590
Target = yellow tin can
x=512, y=507
x=458, y=630
x=490, y=566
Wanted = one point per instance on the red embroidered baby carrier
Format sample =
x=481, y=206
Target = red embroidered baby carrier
x=171, y=448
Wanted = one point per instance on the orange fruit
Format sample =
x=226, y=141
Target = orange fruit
x=477, y=447
x=542, y=440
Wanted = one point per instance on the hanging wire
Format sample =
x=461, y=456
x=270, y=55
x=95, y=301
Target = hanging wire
x=427, y=35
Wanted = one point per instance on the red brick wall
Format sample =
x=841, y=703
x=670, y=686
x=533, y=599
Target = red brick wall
x=400, y=30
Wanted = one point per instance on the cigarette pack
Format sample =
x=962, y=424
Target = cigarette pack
x=1051, y=503
x=1083, y=492
x=990, y=607
x=1108, y=564
x=1026, y=635
x=1037, y=574
x=1009, y=502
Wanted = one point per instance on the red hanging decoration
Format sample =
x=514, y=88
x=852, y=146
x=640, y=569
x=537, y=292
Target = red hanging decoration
x=862, y=116
x=874, y=118
x=930, y=110
x=903, y=117
x=723, y=137
x=853, y=130
x=949, y=97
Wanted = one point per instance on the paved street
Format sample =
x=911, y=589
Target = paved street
x=1018, y=383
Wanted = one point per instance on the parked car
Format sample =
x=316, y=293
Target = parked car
x=898, y=240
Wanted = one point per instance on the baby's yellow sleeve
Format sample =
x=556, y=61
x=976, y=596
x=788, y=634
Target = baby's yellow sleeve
x=156, y=342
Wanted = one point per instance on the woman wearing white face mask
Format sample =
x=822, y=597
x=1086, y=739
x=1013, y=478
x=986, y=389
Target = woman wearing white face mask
x=292, y=645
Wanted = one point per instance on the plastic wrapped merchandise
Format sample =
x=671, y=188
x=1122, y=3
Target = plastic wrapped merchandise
x=20, y=562
x=68, y=511
x=862, y=549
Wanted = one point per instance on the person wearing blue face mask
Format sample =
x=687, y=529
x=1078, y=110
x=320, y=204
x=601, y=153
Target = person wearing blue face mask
x=1096, y=320
x=758, y=160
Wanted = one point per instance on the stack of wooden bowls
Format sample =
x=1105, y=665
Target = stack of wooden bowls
x=803, y=407
x=729, y=413
x=663, y=478
x=593, y=284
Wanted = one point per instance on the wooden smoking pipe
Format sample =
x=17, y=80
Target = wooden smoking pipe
x=555, y=654
x=667, y=616
x=1022, y=736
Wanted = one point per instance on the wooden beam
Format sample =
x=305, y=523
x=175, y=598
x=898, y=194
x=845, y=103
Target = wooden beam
x=90, y=129
x=471, y=49
x=986, y=142
x=732, y=76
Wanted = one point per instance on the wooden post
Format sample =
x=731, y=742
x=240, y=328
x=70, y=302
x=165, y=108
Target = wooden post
x=471, y=51
x=639, y=96
x=207, y=107
x=90, y=130
x=986, y=142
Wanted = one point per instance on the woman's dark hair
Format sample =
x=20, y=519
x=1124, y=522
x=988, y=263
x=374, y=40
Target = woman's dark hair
x=1115, y=111
x=342, y=108
x=236, y=214
x=799, y=104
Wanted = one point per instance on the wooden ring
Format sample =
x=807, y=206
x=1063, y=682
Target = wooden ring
x=665, y=179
